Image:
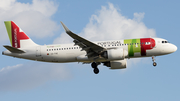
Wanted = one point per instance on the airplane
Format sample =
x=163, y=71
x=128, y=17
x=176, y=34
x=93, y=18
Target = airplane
x=113, y=54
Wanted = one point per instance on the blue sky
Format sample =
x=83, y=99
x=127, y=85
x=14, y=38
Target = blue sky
x=95, y=20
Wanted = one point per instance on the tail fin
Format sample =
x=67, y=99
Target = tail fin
x=17, y=37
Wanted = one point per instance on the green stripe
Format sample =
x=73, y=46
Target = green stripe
x=8, y=28
x=138, y=48
x=133, y=48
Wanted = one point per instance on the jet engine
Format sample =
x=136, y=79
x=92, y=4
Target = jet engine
x=117, y=64
x=115, y=54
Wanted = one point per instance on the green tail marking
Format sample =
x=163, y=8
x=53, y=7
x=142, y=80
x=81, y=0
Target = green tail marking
x=8, y=28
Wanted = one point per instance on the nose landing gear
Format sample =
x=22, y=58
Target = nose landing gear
x=94, y=66
x=154, y=63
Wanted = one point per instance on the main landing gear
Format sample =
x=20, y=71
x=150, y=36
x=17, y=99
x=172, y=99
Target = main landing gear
x=154, y=63
x=94, y=66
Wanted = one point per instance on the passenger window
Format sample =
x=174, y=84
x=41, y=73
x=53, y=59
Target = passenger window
x=47, y=49
x=162, y=41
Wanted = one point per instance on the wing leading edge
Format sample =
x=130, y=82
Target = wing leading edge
x=92, y=49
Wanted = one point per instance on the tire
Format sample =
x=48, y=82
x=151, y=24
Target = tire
x=154, y=64
x=94, y=65
x=96, y=70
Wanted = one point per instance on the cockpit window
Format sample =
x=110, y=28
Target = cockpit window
x=165, y=42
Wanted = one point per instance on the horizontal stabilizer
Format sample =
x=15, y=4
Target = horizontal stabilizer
x=14, y=50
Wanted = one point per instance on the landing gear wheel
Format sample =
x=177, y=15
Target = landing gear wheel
x=154, y=64
x=96, y=70
x=94, y=65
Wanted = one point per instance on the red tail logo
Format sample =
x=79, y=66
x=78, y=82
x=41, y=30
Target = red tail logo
x=17, y=35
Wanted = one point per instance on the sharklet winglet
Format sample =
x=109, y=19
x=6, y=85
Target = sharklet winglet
x=65, y=28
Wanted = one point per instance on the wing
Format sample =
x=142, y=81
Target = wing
x=92, y=49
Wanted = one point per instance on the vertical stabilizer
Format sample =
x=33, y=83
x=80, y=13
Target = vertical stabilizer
x=17, y=37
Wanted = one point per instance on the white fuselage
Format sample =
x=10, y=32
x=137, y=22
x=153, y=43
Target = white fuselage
x=62, y=53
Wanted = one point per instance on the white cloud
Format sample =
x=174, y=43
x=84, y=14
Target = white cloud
x=109, y=24
x=138, y=17
x=10, y=68
x=28, y=76
x=34, y=19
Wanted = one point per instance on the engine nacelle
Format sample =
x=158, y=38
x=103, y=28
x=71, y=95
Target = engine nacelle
x=117, y=64
x=116, y=54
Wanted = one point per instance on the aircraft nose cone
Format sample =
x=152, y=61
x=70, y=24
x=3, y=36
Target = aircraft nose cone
x=174, y=48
